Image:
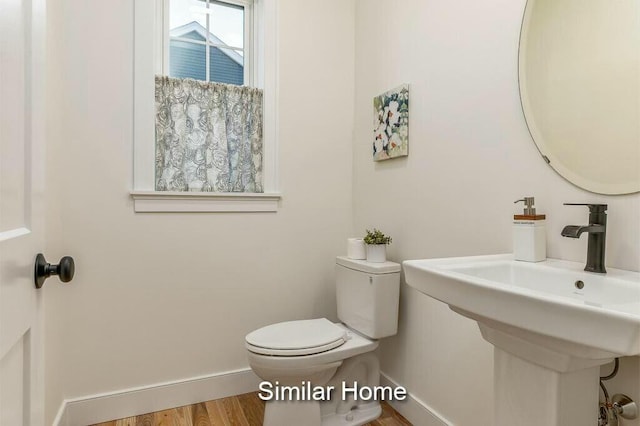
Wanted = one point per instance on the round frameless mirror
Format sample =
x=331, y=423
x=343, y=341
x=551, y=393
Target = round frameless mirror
x=579, y=77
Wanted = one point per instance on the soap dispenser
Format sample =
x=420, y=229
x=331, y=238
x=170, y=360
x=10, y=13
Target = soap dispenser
x=529, y=234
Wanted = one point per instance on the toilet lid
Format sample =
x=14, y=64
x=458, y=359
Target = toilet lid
x=296, y=338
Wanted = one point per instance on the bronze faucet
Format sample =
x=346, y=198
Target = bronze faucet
x=597, y=230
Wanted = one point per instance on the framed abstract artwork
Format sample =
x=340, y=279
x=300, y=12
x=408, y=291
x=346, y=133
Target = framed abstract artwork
x=391, y=124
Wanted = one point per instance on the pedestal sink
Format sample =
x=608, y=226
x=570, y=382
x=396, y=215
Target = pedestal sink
x=552, y=325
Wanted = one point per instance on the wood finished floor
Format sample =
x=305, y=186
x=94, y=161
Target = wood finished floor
x=240, y=410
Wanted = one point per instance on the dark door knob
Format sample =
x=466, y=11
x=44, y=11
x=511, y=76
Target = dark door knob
x=43, y=270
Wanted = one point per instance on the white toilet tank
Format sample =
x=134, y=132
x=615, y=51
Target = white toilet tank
x=368, y=296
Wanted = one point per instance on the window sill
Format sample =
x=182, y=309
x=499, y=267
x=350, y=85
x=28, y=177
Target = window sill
x=199, y=202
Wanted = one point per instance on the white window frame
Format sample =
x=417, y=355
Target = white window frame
x=150, y=36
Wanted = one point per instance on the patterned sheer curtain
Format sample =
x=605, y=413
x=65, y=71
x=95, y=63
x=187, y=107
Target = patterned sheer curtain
x=208, y=136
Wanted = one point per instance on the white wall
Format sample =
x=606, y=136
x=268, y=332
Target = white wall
x=169, y=296
x=470, y=157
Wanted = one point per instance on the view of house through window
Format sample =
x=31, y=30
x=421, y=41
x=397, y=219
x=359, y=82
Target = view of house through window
x=207, y=41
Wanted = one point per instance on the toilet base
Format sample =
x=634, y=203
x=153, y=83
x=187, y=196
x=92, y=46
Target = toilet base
x=356, y=417
x=363, y=369
x=278, y=413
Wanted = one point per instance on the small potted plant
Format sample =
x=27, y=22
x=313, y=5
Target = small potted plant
x=376, y=243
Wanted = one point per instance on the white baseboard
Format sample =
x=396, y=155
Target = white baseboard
x=61, y=416
x=413, y=409
x=146, y=399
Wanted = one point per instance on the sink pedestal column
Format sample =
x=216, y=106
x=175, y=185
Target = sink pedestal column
x=542, y=385
x=529, y=395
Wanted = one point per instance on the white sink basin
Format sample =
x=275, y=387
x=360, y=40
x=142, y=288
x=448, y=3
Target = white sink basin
x=536, y=310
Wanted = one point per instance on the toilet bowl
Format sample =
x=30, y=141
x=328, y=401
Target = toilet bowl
x=311, y=368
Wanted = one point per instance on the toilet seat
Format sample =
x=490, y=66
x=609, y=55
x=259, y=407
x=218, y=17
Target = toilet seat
x=296, y=338
x=355, y=345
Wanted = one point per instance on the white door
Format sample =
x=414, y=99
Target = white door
x=22, y=124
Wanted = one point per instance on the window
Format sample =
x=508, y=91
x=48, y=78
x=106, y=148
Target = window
x=209, y=40
x=198, y=45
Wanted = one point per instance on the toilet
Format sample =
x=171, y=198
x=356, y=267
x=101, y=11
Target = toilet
x=318, y=354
